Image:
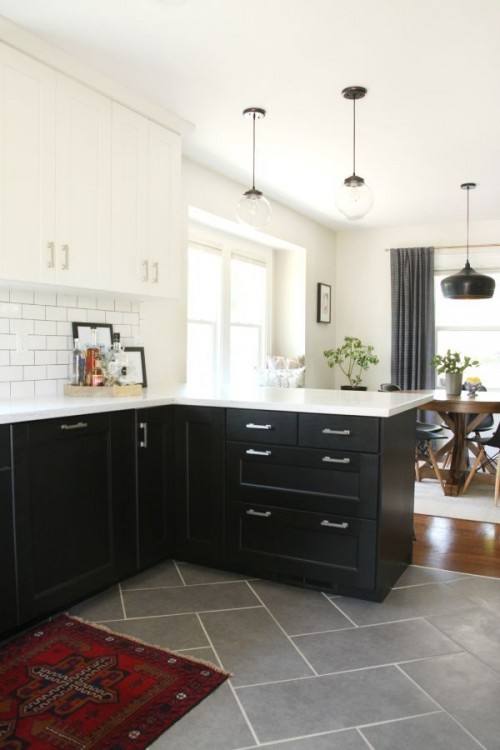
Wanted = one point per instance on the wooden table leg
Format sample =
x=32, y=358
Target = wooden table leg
x=456, y=476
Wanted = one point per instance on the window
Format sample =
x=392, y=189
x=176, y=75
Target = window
x=228, y=313
x=471, y=327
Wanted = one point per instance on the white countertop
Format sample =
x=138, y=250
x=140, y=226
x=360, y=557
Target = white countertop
x=312, y=400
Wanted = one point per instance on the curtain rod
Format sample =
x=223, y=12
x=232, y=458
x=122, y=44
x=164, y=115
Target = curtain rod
x=451, y=247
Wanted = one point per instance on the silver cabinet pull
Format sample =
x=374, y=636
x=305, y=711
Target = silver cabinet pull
x=330, y=460
x=343, y=525
x=252, y=426
x=328, y=431
x=261, y=514
x=74, y=426
x=144, y=442
x=51, y=260
x=156, y=274
x=253, y=452
x=145, y=270
x=65, y=262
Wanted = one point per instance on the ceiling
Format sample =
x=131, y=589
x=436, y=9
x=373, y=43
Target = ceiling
x=431, y=119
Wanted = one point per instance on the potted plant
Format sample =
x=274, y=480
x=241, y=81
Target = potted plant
x=452, y=365
x=352, y=358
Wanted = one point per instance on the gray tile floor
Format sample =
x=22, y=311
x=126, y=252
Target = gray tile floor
x=420, y=671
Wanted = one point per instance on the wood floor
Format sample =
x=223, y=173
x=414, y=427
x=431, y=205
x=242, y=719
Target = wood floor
x=455, y=544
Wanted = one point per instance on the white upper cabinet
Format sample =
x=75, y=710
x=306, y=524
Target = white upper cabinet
x=27, y=167
x=89, y=190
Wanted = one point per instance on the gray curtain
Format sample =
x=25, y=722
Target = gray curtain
x=412, y=306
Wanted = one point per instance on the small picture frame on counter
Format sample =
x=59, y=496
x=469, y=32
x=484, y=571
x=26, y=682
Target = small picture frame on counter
x=84, y=332
x=324, y=303
x=136, y=369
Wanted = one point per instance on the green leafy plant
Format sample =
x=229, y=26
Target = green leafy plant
x=352, y=358
x=452, y=362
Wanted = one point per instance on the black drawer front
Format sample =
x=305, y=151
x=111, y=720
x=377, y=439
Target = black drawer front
x=67, y=428
x=305, y=479
x=334, y=549
x=257, y=426
x=338, y=432
x=5, y=460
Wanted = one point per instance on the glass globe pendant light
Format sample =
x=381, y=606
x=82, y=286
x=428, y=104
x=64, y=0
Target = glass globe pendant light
x=354, y=198
x=467, y=283
x=253, y=208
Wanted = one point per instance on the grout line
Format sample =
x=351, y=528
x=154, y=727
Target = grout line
x=365, y=739
x=362, y=627
x=177, y=614
x=327, y=733
x=348, y=671
x=282, y=630
x=462, y=573
x=231, y=686
x=122, y=601
x=334, y=604
x=422, y=690
x=185, y=585
x=179, y=572
x=429, y=583
x=191, y=648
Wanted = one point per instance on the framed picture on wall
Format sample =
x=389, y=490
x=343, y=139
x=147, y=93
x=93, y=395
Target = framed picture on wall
x=324, y=303
x=136, y=368
x=85, y=333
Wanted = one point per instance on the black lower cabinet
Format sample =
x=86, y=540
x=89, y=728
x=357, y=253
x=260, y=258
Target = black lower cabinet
x=8, y=586
x=75, y=507
x=155, y=484
x=312, y=548
x=199, y=473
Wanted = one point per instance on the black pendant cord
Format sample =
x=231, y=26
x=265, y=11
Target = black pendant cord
x=354, y=136
x=253, y=153
x=468, y=192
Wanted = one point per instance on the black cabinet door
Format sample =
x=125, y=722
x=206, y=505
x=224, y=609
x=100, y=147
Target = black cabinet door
x=8, y=594
x=312, y=547
x=155, y=443
x=199, y=462
x=75, y=496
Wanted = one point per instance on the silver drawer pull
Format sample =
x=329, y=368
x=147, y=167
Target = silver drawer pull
x=330, y=460
x=261, y=514
x=252, y=426
x=328, y=431
x=252, y=452
x=144, y=442
x=75, y=426
x=343, y=525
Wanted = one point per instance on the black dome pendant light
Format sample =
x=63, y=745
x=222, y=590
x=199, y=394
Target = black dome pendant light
x=467, y=283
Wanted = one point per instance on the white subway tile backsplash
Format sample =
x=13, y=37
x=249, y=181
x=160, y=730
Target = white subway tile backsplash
x=35, y=312
x=4, y=325
x=131, y=318
x=56, y=313
x=4, y=390
x=44, y=357
x=10, y=374
x=10, y=310
x=66, y=300
x=123, y=305
x=5, y=358
x=45, y=388
x=36, y=372
x=62, y=358
x=87, y=302
x=4, y=296
x=64, y=328
x=45, y=298
x=97, y=316
x=21, y=295
x=20, y=358
x=37, y=342
x=46, y=327
x=122, y=329
x=57, y=342
x=23, y=389
x=7, y=341
x=105, y=303
x=114, y=317
x=18, y=325
x=75, y=315
x=58, y=371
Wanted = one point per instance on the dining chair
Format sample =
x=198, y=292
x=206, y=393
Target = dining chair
x=482, y=459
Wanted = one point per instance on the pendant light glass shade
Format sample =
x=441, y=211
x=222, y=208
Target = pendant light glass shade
x=253, y=208
x=468, y=283
x=354, y=198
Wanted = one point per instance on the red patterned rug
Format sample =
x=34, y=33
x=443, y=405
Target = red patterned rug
x=73, y=686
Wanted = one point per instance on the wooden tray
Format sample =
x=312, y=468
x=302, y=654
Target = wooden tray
x=100, y=391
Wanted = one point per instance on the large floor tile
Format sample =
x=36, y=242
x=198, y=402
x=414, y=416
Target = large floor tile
x=177, y=632
x=188, y=599
x=345, y=740
x=201, y=654
x=252, y=647
x=481, y=590
x=300, y=610
x=378, y=644
x=104, y=606
x=401, y=604
x=193, y=574
x=164, y=574
x=414, y=576
x=301, y=707
x=477, y=631
x=214, y=724
x=436, y=732
x=466, y=688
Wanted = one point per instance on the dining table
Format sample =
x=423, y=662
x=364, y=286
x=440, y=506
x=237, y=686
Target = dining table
x=461, y=415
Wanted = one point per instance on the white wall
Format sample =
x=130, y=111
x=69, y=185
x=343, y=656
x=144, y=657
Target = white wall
x=289, y=302
x=362, y=298
x=163, y=324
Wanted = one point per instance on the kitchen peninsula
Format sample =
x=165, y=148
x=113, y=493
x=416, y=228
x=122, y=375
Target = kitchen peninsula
x=312, y=487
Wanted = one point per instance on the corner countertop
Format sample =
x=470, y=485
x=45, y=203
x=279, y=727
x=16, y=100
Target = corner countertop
x=312, y=400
